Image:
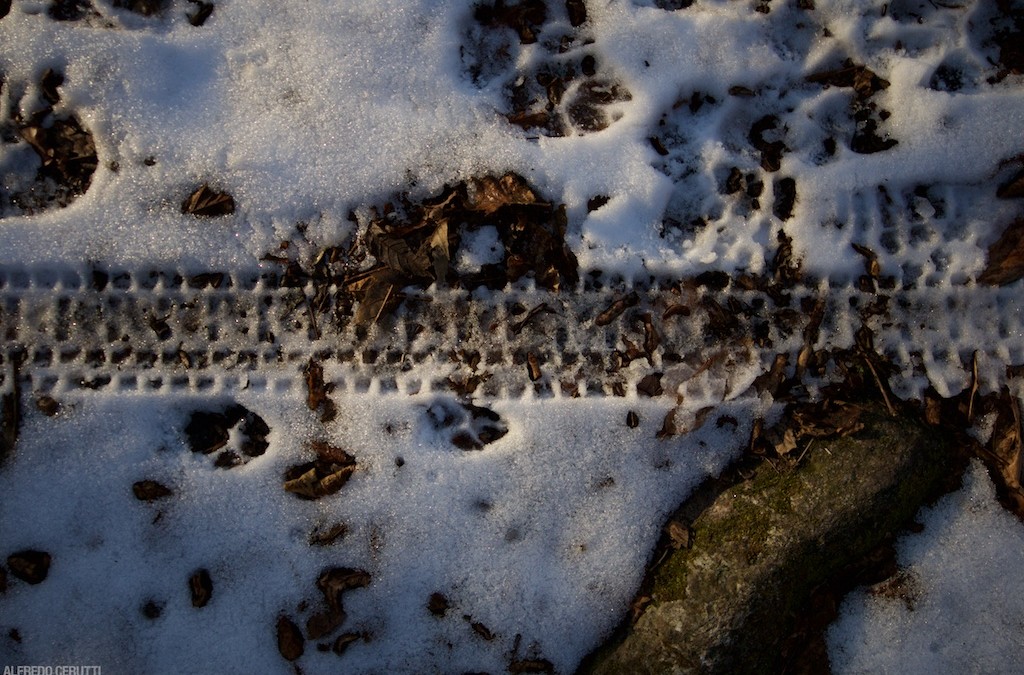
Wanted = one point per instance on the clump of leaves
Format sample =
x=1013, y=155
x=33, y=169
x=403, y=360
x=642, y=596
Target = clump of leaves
x=414, y=245
x=65, y=149
x=323, y=476
x=867, y=117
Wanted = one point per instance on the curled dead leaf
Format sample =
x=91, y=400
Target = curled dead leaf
x=207, y=202
x=290, y=642
x=616, y=309
x=1006, y=257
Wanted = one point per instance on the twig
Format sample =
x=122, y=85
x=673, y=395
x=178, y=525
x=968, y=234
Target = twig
x=312, y=315
x=800, y=458
x=974, y=388
x=881, y=388
x=519, y=325
x=384, y=303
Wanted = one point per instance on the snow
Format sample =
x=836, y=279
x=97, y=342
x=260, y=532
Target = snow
x=529, y=537
x=961, y=608
x=305, y=112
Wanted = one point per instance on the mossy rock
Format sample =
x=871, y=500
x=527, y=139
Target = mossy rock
x=758, y=551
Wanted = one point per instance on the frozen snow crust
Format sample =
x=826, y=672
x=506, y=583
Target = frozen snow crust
x=717, y=165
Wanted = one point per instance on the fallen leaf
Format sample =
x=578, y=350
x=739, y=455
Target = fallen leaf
x=316, y=388
x=438, y=604
x=328, y=536
x=321, y=624
x=1006, y=257
x=533, y=367
x=150, y=490
x=489, y=194
x=201, y=587
x=650, y=385
x=342, y=642
x=785, y=198
x=480, y=629
x=1012, y=189
x=679, y=534
x=10, y=418
x=858, y=77
x=617, y=307
x=30, y=566
x=207, y=202
x=289, y=639
x=522, y=666
x=577, y=12
x=314, y=480
x=632, y=420
x=334, y=581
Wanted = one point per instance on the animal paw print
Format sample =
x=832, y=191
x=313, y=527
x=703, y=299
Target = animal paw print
x=467, y=426
x=563, y=90
x=210, y=432
x=47, y=158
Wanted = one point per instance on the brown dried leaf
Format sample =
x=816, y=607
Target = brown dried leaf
x=480, y=629
x=860, y=78
x=577, y=12
x=438, y=604
x=322, y=624
x=871, y=265
x=533, y=367
x=679, y=535
x=522, y=666
x=773, y=379
x=47, y=405
x=616, y=309
x=328, y=536
x=378, y=297
x=334, y=581
x=316, y=388
x=343, y=641
x=437, y=245
x=150, y=490
x=489, y=194
x=786, y=444
x=1006, y=257
x=30, y=566
x=1006, y=441
x=394, y=252
x=1012, y=189
x=650, y=385
x=651, y=338
x=207, y=202
x=317, y=479
x=200, y=586
x=289, y=639
x=10, y=419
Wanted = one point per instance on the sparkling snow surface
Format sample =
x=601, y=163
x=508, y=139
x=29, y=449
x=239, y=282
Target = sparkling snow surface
x=306, y=111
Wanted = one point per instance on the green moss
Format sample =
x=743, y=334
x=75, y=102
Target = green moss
x=763, y=546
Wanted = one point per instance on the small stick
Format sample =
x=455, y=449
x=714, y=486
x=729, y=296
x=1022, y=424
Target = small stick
x=800, y=458
x=878, y=380
x=312, y=315
x=384, y=304
x=974, y=388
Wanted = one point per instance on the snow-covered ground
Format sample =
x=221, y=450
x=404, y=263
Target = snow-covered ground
x=679, y=141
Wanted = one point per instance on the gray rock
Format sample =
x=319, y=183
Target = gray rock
x=727, y=603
